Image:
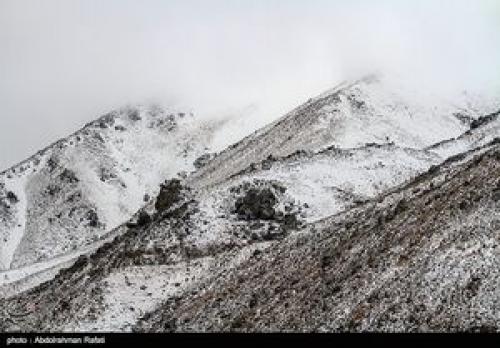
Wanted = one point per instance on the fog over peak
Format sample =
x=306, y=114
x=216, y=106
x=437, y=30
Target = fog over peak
x=65, y=62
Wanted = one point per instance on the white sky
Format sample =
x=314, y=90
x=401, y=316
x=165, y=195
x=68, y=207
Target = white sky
x=63, y=63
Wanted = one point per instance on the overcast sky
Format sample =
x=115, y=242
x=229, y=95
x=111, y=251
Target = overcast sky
x=63, y=63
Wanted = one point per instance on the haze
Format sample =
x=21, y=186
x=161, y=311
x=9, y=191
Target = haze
x=64, y=63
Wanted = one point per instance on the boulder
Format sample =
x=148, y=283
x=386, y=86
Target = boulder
x=257, y=204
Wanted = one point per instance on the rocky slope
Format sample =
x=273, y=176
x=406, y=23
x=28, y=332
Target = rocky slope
x=423, y=257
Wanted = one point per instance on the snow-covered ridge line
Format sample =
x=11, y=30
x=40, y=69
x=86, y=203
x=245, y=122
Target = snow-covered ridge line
x=369, y=110
x=476, y=126
x=482, y=130
x=65, y=140
x=332, y=150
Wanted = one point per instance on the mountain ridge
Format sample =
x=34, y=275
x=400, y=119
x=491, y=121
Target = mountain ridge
x=73, y=167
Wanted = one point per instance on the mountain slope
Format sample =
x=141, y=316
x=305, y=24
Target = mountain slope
x=424, y=257
x=77, y=190
x=333, y=179
x=371, y=110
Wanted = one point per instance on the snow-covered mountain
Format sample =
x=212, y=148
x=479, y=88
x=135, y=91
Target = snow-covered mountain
x=346, y=169
x=77, y=190
x=372, y=110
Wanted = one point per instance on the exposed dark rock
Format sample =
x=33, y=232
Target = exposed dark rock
x=53, y=189
x=484, y=120
x=290, y=221
x=68, y=176
x=268, y=162
x=92, y=218
x=257, y=204
x=11, y=196
x=134, y=115
x=355, y=103
x=52, y=163
x=464, y=118
x=273, y=233
x=74, y=197
x=170, y=193
x=106, y=174
x=203, y=160
x=98, y=137
x=143, y=218
x=107, y=120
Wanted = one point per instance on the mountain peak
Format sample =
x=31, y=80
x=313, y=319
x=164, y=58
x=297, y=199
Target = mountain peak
x=76, y=190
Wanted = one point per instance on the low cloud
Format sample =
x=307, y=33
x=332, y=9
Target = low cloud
x=65, y=62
